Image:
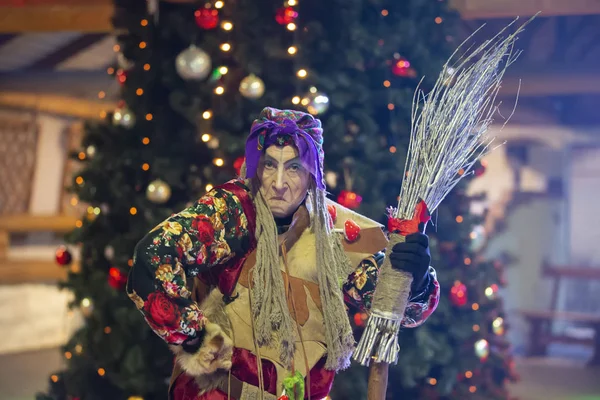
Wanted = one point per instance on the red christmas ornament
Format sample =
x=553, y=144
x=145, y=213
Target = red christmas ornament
x=116, y=279
x=351, y=230
x=284, y=397
x=349, y=199
x=285, y=15
x=458, y=294
x=63, y=256
x=207, y=18
x=402, y=68
x=237, y=164
x=360, y=319
x=121, y=76
x=480, y=171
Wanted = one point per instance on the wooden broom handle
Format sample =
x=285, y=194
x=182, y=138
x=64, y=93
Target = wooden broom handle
x=378, y=380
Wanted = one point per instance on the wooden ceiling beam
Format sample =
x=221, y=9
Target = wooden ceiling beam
x=487, y=9
x=55, y=104
x=83, y=16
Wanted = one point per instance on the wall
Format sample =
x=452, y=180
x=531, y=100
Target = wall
x=533, y=224
x=33, y=316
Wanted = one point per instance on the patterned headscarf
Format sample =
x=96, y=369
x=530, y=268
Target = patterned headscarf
x=287, y=127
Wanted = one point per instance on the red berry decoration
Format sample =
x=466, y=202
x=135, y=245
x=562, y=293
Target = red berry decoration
x=332, y=211
x=207, y=18
x=63, y=256
x=351, y=230
x=284, y=397
x=286, y=15
x=237, y=164
x=116, y=278
x=349, y=199
x=458, y=294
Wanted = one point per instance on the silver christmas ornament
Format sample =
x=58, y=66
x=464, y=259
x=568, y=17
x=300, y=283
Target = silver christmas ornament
x=252, y=87
x=158, y=192
x=193, y=63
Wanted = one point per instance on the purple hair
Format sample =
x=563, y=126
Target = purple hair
x=282, y=128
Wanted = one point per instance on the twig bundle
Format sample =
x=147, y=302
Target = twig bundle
x=448, y=135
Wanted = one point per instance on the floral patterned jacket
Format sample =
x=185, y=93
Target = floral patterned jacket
x=212, y=237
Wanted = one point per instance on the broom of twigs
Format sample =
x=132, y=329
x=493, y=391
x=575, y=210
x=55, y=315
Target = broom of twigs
x=448, y=135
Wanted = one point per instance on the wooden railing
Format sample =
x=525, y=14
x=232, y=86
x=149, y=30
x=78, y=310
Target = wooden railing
x=27, y=271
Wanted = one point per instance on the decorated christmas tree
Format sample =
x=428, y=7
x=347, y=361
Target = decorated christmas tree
x=193, y=76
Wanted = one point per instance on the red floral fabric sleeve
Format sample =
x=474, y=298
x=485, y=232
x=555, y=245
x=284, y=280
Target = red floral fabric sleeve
x=206, y=234
x=360, y=287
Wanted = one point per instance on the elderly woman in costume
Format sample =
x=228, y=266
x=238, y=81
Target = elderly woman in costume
x=251, y=286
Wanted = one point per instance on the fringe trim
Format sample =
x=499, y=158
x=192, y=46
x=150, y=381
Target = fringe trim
x=379, y=341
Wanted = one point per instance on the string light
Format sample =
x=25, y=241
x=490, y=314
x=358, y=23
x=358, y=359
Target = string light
x=209, y=187
x=130, y=262
x=207, y=114
x=149, y=117
x=223, y=70
x=468, y=374
x=385, y=13
x=387, y=83
x=219, y=90
x=393, y=149
x=74, y=201
x=116, y=48
x=391, y=106
x=144, y=22
x=292, y=50
x=219, y=4
x=79, y=180
x=102, y=114
x=472, y=389
x=476, y=328
x=475, y=306
x=146, y=67
x=54, y=378
x=81, y=155
x=101, y=371
x=101, y=95
x=78, y=223
x=133, y=211
x=225, y=47
x=110, y=70
x=459, y=219
x=145, y=166
x=146, y=140
x=139, y=91
x=143, y=45
x=292, y=3
x=68, y=355
x=218, y=162
x=438, y=20
x=78, y=349
x=205, y=137
x=432, y=381
x=226, y=25
x=302, y=73
x=467, y=261
x=107, y=330
x=296, y=100
x=291, y=26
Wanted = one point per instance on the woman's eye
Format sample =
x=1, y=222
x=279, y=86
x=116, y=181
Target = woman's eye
x=269, y=164
x=294, y=167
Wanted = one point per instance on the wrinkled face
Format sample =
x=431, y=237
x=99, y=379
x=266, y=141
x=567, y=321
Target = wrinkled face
x=284, y=180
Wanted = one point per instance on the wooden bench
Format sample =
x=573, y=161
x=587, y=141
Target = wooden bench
x=541, y=335
x=28, y=271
